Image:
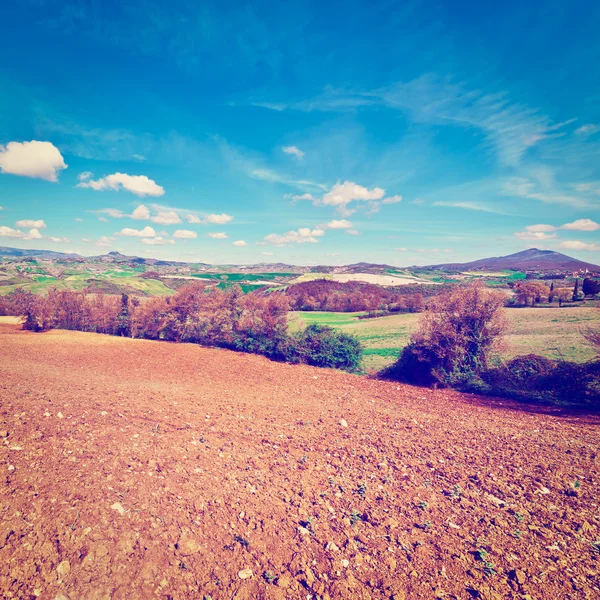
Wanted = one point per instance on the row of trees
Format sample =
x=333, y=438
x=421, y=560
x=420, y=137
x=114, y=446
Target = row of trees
x=197, y=314
x=534, y=292
x=354, y=296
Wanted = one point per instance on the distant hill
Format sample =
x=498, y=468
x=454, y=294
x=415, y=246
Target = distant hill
x=527, y=260
x=22, y=252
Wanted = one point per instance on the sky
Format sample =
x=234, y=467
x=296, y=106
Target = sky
x=303, y=132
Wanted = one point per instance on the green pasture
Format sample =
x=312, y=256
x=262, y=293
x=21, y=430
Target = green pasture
x=550, y=332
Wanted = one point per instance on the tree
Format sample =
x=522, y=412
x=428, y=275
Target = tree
x=590, y=287
x=551, y=294
x=456, y=338
x=531, y=292
x=123, y=320
x=576, y=291
x=563, y=294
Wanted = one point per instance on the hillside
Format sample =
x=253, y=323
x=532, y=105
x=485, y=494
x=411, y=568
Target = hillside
x=142, y=469
x=527, y=260
x=532, y=259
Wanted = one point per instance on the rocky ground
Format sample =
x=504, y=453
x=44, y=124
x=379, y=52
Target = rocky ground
x=137, y=469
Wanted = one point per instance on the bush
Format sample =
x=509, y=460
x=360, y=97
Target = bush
x=537, y=379
x=196, y=314
x=455, y=340
x=323, y=346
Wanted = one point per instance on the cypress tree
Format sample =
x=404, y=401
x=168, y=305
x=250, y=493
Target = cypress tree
x=576, y=291
x=123, y=324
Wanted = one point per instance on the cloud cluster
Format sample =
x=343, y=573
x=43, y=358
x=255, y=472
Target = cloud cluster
x=157, y=241
x=300, y=236
x=38, y=224
x=342, y=196
x=147, y=232
x=32, y=234
x=140, y=185
x=577, y=245
x=39, y=160
x=211, y=219
x=185, y=234
x=543, y=231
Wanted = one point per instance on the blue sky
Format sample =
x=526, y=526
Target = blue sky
x=303, y=132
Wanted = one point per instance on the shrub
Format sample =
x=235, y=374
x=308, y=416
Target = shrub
x=323, y=346
x=456, y=338
x=197, y=314
x=538, y=379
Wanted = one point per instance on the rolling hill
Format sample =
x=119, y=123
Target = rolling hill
x=532, y=259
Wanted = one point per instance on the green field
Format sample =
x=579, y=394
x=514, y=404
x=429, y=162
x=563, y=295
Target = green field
x=246, y=277
x=550, y=332
x=79, y=281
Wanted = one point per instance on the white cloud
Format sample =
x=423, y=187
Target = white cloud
x=32, y=234
x=240, y=243
x=580, y=225
x=301, y=236
x=338, y=224
x=157, y=241
x=510, y=128
x=211, y=219
x=147, y=232
x=540, y=228
x=12, y=233
x=58, y=240
x=534, y=235
x=78, y=220
x=115, y=213
x=103, y=219
x=40, y=160
x=392, y=200
x=267, y=253
x=294, y=150
x=342, y=194
x=139, y=185
x=352, y=232
x=218, y=235
x=185, y=234
x=84, y=176
x=577, y=245
x=294, y=197
x=141, y=213
x=166, y=218
x=221, y=219
x=39, y=224
x=139, y=157
x=400, y=249
x=589, y=129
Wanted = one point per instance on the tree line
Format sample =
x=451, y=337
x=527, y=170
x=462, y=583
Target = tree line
x=355, y=296
x=196, y=314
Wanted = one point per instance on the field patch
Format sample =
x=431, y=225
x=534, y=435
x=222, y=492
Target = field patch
x=549, y=332
x=141, y=469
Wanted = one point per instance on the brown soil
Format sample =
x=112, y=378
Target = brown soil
x=135, y=469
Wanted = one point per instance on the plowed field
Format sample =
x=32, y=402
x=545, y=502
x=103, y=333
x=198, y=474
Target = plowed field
x=135, y=469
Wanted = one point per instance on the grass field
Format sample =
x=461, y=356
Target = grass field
x=550, y=332
x=79, y=281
